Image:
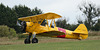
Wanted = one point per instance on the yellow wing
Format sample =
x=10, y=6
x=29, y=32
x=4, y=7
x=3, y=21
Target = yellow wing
x=40, y=17
x=51, y=33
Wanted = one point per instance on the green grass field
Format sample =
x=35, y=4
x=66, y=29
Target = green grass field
x=68, y=45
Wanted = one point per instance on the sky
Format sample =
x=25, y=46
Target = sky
x=68, y=9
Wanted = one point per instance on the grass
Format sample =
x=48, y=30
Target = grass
x=48, y=43
x=69, y=45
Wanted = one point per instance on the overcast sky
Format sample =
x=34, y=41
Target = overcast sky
x=66, y=8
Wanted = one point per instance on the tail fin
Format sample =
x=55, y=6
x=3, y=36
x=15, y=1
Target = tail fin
x=81, y=29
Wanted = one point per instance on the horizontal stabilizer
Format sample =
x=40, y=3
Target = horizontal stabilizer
x=79, y=33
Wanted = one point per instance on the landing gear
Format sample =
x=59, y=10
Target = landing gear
x=34, y=40
x=79, y=37
x=27, y=40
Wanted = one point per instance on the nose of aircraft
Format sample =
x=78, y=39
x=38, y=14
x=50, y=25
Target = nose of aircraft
x=23, y=25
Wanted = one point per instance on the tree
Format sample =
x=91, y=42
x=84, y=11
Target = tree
x=22, y=11
x=91, y=12
x=97, y=26
x=36, y=11
x=61, y=23
x=79, y=20
x=7, y=16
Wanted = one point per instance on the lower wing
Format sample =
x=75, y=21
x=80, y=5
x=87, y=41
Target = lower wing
x=51, y=33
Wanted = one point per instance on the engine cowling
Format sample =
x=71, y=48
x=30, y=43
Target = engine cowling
x=23, y=25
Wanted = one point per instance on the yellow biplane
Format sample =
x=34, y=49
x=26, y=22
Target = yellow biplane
x=32, y=26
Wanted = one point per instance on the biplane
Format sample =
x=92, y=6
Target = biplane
x=32, y=26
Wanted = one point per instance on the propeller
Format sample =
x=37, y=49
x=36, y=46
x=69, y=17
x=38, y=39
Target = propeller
x=22, y=25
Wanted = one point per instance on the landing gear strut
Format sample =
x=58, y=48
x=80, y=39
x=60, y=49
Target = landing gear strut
x=79, y=37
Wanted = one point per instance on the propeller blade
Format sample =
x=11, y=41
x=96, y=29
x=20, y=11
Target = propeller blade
x=18, y=23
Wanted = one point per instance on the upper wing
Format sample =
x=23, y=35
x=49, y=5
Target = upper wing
x=40, y=17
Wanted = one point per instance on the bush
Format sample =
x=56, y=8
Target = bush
x=12, y=33
x=5, y=31
x=94, y=33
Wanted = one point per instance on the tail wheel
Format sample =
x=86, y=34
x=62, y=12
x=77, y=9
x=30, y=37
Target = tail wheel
x=80, y=38
x=34, y=40
x=27, y=41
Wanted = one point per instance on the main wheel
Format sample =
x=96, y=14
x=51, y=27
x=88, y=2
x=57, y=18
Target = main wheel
x=34, y=40
x=27, y=41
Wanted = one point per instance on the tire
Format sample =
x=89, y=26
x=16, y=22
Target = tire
x=27, y=41
x=34, y=40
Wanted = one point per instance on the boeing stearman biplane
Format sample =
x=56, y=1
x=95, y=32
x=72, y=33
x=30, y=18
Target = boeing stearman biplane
x=32, y=26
